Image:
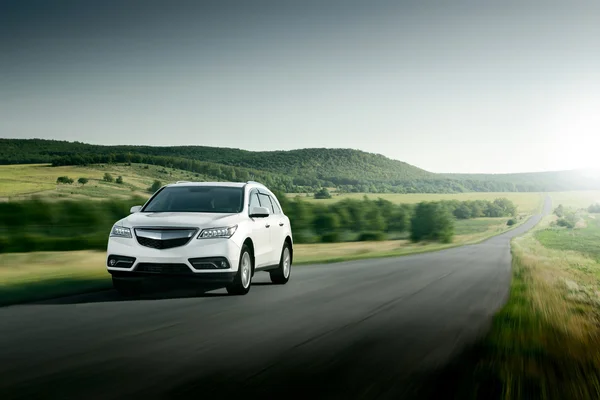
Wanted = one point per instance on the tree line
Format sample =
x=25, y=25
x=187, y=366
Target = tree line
x=296, y=181
x=37, y=225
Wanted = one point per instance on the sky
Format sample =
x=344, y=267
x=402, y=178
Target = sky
x=448, y=86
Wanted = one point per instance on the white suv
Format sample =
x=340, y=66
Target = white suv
x=212, y=233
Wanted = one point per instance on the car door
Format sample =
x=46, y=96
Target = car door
x=261, y=234
x=279, y=229
x=272, y=224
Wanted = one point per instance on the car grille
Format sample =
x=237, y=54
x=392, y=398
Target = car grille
x=164, y=238
x=164, y=269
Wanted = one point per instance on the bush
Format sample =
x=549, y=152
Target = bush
x=569, y=220
x=108, y=177
x=326, y=223
x=511, y=222
x=119, y=180
x=432, y=221
x=594, y=208
x=83, y=181
x=371, y=237
x=559, y=211
x=330, y=237
x=155, y=186
x=323, y=193
x=64, y=179
x=463, y=211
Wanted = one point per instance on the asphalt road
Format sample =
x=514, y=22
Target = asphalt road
x=351, y=330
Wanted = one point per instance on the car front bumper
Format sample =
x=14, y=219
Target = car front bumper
x=204, y=260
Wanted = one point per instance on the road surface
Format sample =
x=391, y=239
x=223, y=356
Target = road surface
x=350, y=330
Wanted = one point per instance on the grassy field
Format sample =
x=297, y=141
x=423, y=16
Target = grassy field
x=39, y=275
x=527, y=203
x=580, y=199
x=21, y=181
x=544, y=344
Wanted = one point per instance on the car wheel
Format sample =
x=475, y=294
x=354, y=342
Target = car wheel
x=281, y=275
x=243, y=279
x=126, y=288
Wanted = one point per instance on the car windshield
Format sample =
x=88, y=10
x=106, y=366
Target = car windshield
x=197, y=199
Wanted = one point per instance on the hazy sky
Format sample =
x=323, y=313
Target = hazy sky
x=449, y=86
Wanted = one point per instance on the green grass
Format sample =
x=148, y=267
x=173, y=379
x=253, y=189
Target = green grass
x=478, y=225
x=583, y=240
x=527, y=203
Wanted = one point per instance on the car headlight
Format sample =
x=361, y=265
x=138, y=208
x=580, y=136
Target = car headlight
x=217, y=232
x=120, y=231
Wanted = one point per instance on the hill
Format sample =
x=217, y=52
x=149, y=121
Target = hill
x=301, y=170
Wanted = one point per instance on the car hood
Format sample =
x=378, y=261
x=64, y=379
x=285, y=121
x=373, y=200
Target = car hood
x=179, y=219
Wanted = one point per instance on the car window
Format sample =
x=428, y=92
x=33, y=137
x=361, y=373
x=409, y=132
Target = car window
x=205, y=199
x=265, y=201
x=253, y=200
x=275, y=206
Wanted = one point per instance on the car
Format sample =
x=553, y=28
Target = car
x=209, y=233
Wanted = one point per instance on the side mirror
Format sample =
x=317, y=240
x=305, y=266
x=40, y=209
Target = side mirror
x=259, y=212
x=135, y=209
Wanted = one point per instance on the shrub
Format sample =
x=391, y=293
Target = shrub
x=108, y=177
x=559, y=211
x=432, y=221
x=322, y=193
x=463, y=211
x=119, y=180
x=594, y=208
x=326, y=223
x=371, y=237
x=155, y=186
x=64, y=179
x=569, y=220
x=330, y=237
x=83, y=181
x=511, y=222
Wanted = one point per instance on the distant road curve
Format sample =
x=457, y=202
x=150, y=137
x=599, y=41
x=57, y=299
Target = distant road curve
x=348, y=330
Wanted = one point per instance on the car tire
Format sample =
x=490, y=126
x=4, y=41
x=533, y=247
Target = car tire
x=243, y=279
x=126, y=288
x=281, y=275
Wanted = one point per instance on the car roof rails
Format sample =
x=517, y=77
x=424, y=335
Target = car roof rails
x=256, y=183
x=183, y=182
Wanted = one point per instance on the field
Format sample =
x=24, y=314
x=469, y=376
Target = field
x=21, y=181
x=528, y=203
x=579, y=199
x=544, y=343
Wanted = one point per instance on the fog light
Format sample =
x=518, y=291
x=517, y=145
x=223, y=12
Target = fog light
x=120, y=261
x=209, y=263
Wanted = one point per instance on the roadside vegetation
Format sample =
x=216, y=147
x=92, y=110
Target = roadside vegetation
x=41, y=225
x=544, y=344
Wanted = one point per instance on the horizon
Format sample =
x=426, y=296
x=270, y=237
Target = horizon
x=494, y=88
